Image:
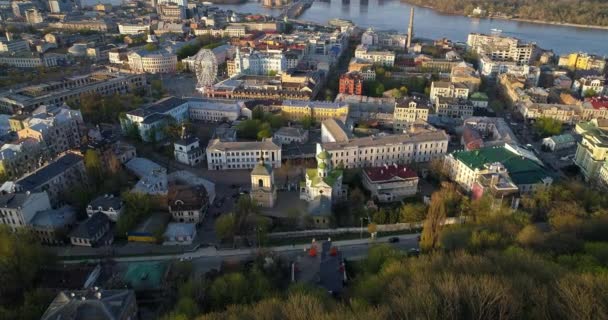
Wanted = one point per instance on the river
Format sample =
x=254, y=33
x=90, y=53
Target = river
x=394, y=15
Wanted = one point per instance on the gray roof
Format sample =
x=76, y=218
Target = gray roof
x=90, y=305
x=187, y=141
x=290, y=132
x=13, y=200
x=393, y=139
x=44, y=174
x=89, y=227
x=106, y=202
x=160, y=106
x=242, y=145
x=54, y=218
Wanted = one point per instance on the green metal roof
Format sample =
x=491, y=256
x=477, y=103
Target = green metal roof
x=330, y=180
x=522, y=170
x=563, y=138
x=479, y=96
x=323, y=155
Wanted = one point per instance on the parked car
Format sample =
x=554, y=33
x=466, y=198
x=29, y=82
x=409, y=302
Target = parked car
x=393, y=239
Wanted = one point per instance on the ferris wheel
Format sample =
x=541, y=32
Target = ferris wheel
x=205, y=68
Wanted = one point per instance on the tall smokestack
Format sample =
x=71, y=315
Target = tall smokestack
x=410, y=28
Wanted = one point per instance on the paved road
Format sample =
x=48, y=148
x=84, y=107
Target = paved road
x=205, y=259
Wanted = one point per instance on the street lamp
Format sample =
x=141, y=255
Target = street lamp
x=361, y=219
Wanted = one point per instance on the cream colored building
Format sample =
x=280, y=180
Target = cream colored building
x=421, y=145
x=408, y=111
x=317, y=110
x=563, y=112
x=448, y=89
x=385, y=58
x=592, y=151
x=152, y=62
x=223, y=155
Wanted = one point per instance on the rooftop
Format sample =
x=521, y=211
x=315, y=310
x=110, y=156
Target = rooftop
x=522, y=170
x=266, y=144
x=392, y=139
x=290, y=132
x=389, y=173
x=48, y=172
x=54, y=218
x=90, y=304
x=337, y=130
x=90, y=227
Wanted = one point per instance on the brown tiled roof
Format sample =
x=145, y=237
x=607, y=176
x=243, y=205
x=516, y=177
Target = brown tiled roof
x=389, y=172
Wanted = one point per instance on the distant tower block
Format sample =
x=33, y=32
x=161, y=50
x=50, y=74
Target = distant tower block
x=410, y=28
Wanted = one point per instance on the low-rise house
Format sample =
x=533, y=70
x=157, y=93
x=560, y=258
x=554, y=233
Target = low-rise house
x=188, y=203
x=188, y=151
x=562, y=141
x=107, y=204
x=287, y=135
x=57, y=178
x=179, y=233
x=153, y=177
x=52, y=226
x=390, y=183
x=93, y=232
x=17, y=210
x=93, y=304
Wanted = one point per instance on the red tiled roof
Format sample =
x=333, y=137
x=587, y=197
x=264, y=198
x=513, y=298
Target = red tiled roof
x=388, y=172
x=599, y=102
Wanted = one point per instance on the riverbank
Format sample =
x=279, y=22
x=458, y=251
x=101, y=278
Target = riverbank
x=553, y=23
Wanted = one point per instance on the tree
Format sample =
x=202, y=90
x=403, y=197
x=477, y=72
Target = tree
x=548, y=127
x=412, y=212
x=379, y=90
x=589, y=93
x=136, y=206
x=264, y=133
x=21, y=261
x=93, y=166
x=225, y=226
x=307, y=122
x=151, y=47
x=432, y=225
x=497, y=105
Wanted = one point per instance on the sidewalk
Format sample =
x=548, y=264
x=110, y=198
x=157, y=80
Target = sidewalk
x=211, y=252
